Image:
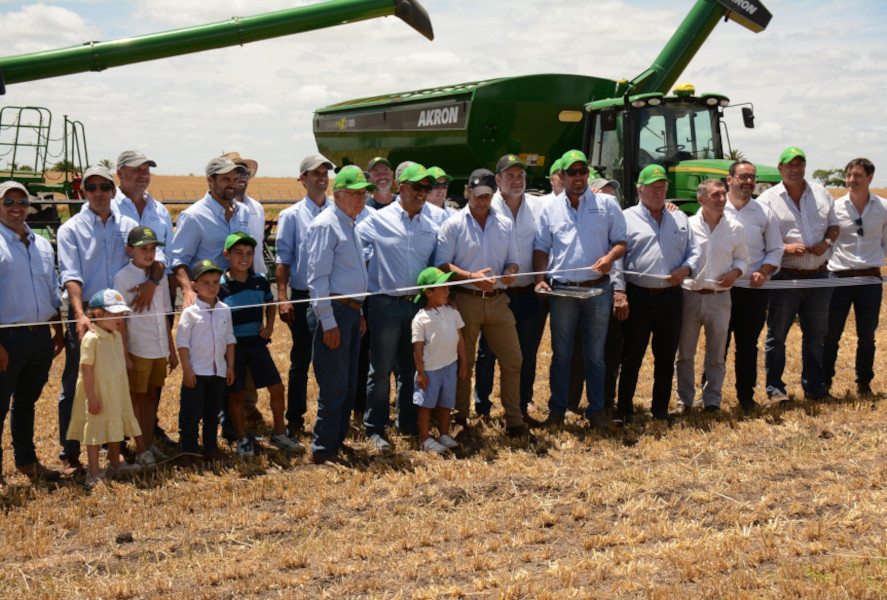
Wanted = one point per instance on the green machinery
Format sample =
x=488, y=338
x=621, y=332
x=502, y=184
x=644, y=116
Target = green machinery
x=25, y=131
x=622, y=125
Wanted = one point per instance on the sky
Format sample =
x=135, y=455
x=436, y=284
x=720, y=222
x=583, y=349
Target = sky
x=817, y=76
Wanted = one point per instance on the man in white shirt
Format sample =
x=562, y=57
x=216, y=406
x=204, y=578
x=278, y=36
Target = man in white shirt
x=722, y=259
x=859, y=251
x=805, y=214
x=764, y=244
x=255, y=208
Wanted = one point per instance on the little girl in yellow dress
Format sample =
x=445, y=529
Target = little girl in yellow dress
x=102, y=412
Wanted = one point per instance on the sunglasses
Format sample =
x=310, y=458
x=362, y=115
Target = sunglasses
x=438, y=186
x=7, y=202
x=105, y=187
x=574, y=172
x=858, y=222
x=420, y=187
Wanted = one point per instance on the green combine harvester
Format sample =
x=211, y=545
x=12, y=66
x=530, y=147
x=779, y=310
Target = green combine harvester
x=26, y=131
x=621, y=125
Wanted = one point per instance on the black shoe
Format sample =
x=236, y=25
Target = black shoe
x=162, y=440
x=520, y=432
x=553, y=420
x=598, y=420
x=749, y=405
x=712, y=409
x=530, y=421
x=864, y=389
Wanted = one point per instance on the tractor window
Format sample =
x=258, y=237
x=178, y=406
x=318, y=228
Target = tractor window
x=673, y=132
x=606, y=150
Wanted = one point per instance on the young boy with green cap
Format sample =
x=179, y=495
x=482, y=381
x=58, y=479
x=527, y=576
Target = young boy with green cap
x=439, y=352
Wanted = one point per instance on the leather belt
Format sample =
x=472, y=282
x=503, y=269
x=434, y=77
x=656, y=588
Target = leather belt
x=653, y=291
x=478, y=293
x=405, y=297
x=520, y=291
x=709, y=291
x=37, y=327
x=872, y=272
x=819, y=269
x=590, y=283
x=350, y=303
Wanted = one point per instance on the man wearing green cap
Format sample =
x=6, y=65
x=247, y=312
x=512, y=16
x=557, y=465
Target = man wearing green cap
x=661, y=253
x=805, y=213
x=403, y=237
x=438, y=194
x=337, y=283
x=580, y=236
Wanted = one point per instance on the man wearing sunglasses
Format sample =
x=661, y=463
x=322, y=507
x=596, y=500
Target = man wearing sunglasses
x=92, y=248
x=403, y=237
x=26, y=351
x=859, y=251
x=580, y=236
x=805, y=213
x=256, y=213
x=748, y=311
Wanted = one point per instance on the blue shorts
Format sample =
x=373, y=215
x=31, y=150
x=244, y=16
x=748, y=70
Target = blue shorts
x=441, y=388
x=253, y=354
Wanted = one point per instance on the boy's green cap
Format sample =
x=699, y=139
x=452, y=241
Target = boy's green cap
x=413, y=173
x=789, y=153
x=351, y=177
x=431, y=276
x=239, y=238
x=436, y=173
x=205, y=266
x=652, y=173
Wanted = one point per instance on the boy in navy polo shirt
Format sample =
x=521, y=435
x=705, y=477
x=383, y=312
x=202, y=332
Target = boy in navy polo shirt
x=246, y=292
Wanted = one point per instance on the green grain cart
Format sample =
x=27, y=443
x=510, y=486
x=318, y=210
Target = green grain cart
x=622, y=125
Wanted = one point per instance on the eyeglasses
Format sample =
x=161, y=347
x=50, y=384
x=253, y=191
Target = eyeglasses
x=245, y=175
x=858, y=222
x=7, y=202
x=421, y=187
x=574, y=172
x=438, y=186
x=746, y=177
x=105, y=187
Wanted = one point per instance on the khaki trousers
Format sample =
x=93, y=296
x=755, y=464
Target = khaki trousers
x=492, y=316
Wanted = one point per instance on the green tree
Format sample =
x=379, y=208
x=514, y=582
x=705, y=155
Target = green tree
x=735, y=154
x=63, y=165
x=107, y=163
x=833, y=178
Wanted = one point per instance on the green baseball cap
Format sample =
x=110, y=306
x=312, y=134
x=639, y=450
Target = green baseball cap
x=508, y=161
x=351, y=177
x=652, y=173
x=239, y=238
x=555, y=168
x=436, y=173
x=432, y=276
x=572, y=156
x=205, y=266
x=789, y=153
x=413, y=173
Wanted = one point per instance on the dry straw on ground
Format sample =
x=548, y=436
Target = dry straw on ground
x=785, y=504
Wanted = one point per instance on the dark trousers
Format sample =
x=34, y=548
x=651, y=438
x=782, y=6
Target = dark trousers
x=658, y=313
x=866, y=303
x=203, y=401
x=300, y=360
x=30, y=358
x=747, y=318
x=70, y=448
x=525, y=308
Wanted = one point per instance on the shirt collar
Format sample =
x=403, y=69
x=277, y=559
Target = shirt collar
x=204, y=305
x=12, y=236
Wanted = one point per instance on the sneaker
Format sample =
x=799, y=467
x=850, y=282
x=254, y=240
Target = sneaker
x=379, y=443
x=286, y=442
x=123, y=468
x=72, y=466
x=448, y=442
x=778, y=396
x=432, y=445
x=158, y=454
x=91, y=481
x=245, y=448
x=146, y=459
x=598, y=420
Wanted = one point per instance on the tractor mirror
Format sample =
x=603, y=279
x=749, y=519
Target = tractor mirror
x=608, y=120
x=748, y=117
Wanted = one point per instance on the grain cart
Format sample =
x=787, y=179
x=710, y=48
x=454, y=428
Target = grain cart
x=622, y=125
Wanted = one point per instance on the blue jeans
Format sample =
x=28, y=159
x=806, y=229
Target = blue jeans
x=300, y=360
x=30, y=358
x=593, y=315
x=811, y=306
x=391, y=321
x=525, y=308
x=336, y=374
x=70, y=448
x=866, y=302
x=202, y=402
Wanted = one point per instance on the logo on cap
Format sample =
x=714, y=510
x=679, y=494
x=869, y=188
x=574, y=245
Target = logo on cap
x=148, y=232
x=207, y=263
x=657, y=171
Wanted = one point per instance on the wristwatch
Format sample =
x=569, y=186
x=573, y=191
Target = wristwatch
x=156, y=281
x=828, y=241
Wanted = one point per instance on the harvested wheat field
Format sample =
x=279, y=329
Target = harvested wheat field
x=788, y=503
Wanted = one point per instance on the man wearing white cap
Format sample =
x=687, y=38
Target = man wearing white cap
x=203, y=227
x=26, y=351
x=255, y=208
x=91, y=248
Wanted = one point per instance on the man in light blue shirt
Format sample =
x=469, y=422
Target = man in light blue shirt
x=403, y=237
x=647, y=296
x=579, y=238
x=292, y=280
x=92, y=248
x=336, y=268
x=480, y=246
x=203, y=227
x=27, y=269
